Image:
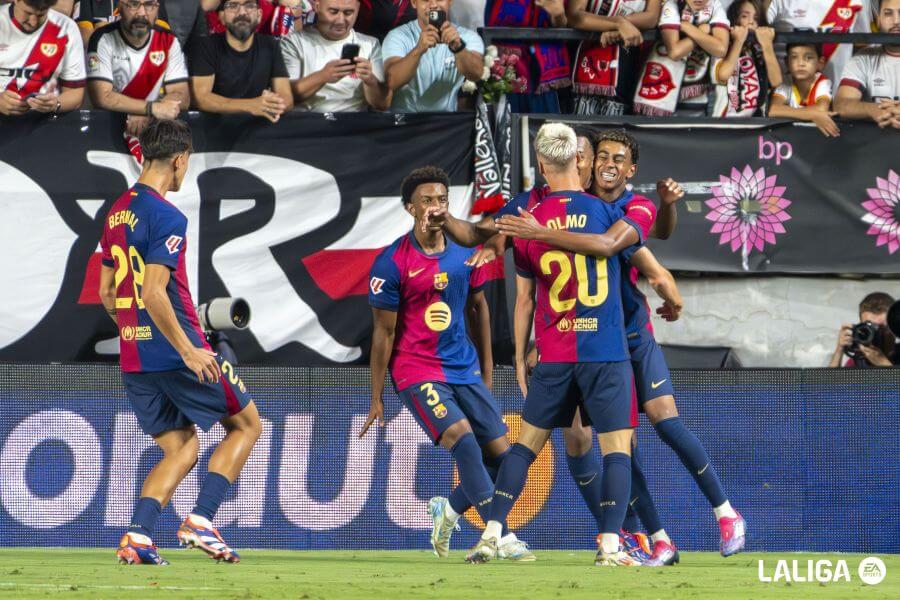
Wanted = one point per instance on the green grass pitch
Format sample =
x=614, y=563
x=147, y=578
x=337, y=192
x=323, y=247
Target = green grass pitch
x=93, y=573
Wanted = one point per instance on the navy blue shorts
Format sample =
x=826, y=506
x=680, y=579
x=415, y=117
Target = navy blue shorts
x=437, y=405
x=166, y=400
x=651, y=373
x=602, y=389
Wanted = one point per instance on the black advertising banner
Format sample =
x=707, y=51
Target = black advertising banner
x=288, y=216
x=767, y=197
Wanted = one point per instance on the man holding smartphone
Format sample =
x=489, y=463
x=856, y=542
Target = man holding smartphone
x=426, y=60
x=332, y=67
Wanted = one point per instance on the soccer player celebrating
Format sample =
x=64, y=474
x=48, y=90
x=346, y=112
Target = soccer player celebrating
x=615, y=163
x=581, y=342
x=421, y=290
x=172, y=378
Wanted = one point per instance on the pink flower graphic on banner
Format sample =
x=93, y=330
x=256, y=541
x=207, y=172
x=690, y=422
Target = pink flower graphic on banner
x=883, y=215
x=747, y=209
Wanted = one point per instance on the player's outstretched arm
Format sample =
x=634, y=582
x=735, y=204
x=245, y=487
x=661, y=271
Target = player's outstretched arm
x=617, y=238
x=522, y=319
x=465, y=233
x=385, y=326
x=153, y=294
x=107, y=291
x=662, y=282
x=478, y=317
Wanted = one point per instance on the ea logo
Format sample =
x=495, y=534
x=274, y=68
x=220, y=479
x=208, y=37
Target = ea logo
x=564, y=325
x=438, y=316
x=128, y=333
x=872, y=570
x=537, y=487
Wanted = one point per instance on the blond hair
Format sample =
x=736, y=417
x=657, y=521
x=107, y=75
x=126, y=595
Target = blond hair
x=556, y=144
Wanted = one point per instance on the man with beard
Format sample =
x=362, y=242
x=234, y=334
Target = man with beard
x=41, y=60
x=130, y=62
x=239, y=71
x=322, y=79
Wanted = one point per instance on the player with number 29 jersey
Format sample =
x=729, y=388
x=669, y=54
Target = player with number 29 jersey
x=143, y=228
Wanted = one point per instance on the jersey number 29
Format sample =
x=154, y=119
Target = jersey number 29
x=561, y=305
x=124, y=262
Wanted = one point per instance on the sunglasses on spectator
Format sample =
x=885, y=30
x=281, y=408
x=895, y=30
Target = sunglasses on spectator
x=135, y=5
x=237, y=6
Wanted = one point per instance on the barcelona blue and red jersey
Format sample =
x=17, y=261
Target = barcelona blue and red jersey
x=578, y=317
x=640, y=212
x=429, y=293
x=143, y=228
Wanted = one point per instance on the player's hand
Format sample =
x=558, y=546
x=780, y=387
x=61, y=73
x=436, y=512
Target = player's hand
x=203, y=363
x=166, y=109
x=669, y=311
x=630, y=34
x=669, y=190
x=845, y=336
x=135, y=125
x=43, y=103
x=524, y=226
x=337, y=69
x=428, y=39
x=825, y=122
x=364, y=71
x=12, y=105
x=487, y=377
x=482, y=256
x=522, y=376
x=739, y=34
x=376, y=412
x=875, y=356
x=764, y=35
x=434, y=216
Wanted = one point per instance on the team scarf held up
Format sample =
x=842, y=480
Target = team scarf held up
x=551, y=59
x=664, y=82
x=598, y=69
x=746, y=91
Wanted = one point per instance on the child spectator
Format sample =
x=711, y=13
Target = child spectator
x=806, y=96
x=745, y=74
x=692, y=32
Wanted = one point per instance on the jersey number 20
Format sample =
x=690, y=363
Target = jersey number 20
x=133, y=261
x=561, y=305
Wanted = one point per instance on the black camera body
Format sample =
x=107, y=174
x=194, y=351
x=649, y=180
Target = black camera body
x=437, y=18
x=867, y=333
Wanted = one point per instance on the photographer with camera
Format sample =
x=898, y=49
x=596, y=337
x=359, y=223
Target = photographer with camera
x=869, y=343
x=426, y=60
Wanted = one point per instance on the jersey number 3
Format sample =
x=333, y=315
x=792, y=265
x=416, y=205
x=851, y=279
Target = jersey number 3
x=133, y=262
x=561, y=305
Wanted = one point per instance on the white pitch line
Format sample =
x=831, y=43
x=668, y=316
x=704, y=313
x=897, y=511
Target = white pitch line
x=78, y=586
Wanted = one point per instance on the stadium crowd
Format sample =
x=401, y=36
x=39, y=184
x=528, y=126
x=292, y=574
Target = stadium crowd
x=717, y=58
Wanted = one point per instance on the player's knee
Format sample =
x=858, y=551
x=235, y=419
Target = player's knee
x=578, y=440
x=452, y=434
x=660, y=409
x=615, y=441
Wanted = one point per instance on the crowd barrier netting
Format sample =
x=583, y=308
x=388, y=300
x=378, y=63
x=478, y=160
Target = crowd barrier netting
x=810, y=457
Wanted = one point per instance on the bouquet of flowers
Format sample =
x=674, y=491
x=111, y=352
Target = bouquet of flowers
x=498, y=78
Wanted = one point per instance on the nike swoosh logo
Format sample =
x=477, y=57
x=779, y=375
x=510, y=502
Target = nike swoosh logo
x=416, y=272
x=703, y=470
x=655, y=384
x=583, y=483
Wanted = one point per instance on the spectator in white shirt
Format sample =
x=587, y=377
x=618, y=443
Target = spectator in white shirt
x=870, y=85
x=321, y=80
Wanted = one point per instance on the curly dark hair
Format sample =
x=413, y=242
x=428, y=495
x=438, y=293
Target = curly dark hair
x=621, y=136
x=41, y=4
x=420, y=176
